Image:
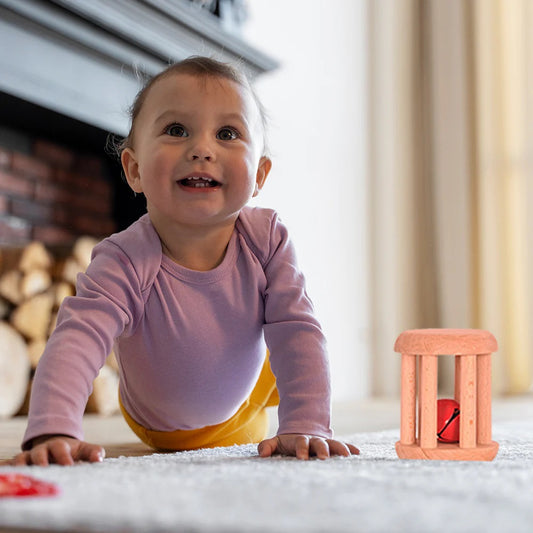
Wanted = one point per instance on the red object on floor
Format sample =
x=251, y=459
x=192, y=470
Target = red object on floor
x=448, y=414
x=13, y=484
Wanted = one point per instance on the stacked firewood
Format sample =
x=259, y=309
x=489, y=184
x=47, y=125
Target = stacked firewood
x=33, y=283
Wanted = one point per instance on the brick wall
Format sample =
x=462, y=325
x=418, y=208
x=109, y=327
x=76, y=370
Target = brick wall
x=53, y=194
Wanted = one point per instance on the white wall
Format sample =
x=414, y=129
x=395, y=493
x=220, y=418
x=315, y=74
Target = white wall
x=316, y=102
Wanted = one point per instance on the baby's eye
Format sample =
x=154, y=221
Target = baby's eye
x=176, y=130
x=227, y=134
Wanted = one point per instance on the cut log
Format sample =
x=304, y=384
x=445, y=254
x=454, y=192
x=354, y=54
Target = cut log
x=14, y=370
x=112, y=361
x=104, y=398
x=62, y=289
x=35, y=350
x=82, y=251
x=53, y=323
x=10, y=286
x=69, y=270
x=32, y=317
x=34, y=282
x=35, y=256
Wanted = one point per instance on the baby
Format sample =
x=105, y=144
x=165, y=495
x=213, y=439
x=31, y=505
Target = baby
x=189, y=295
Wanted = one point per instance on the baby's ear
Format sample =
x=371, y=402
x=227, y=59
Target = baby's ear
x=131, y=169
x=265, y=164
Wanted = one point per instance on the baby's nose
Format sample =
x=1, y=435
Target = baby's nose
x=201, y=150
x=205, y=157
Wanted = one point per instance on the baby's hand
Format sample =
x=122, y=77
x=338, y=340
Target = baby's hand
x=303, y=446
x=60, y=450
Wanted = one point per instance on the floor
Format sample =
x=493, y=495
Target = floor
x=348, y=418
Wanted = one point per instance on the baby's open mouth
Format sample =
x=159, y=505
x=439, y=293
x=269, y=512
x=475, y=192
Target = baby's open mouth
x=198, y=182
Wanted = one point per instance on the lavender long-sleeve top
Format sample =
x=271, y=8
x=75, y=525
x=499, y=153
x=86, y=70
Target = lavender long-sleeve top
x=189, y=344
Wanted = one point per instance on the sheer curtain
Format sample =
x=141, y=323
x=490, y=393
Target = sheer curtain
x=451, y=165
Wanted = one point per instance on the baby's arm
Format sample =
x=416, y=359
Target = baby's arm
x=298, y=356
x=304, y=446
x=58, y=449
x=87, y=326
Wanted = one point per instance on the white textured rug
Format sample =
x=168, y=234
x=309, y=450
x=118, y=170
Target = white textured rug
x=233, y=490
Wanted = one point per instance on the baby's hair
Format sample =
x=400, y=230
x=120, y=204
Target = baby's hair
x=202, y=67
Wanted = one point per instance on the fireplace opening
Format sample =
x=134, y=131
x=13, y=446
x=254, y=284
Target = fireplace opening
x=57, y=181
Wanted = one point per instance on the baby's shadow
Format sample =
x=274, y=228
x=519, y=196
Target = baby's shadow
x=129, y=449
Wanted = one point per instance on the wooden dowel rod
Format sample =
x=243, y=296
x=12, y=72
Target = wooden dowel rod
x=457, y=392
x=408, y=400
x=468, y=404
x=484, y=411
x=428, y=401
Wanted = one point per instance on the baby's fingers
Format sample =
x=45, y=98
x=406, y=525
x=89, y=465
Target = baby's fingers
x=342, y=448
x=60, y=452
x=319, y=447
x=21, y=459
x=90, y=452
x=52, y=451
x=302, y=447
x=268, y=447
x=36, y=456
x=354, y=450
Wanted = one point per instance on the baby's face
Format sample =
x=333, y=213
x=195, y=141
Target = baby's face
x=196, y=154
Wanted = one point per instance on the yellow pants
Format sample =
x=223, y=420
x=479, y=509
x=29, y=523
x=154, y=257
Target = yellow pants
x=248, y=425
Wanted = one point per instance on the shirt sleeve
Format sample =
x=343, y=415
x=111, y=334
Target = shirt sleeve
x=108, y=299
x=298, y=352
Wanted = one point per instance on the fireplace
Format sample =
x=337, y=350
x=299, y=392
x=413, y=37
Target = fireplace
x=71, y=70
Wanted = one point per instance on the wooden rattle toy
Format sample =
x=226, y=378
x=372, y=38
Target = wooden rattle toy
x=424, y=436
